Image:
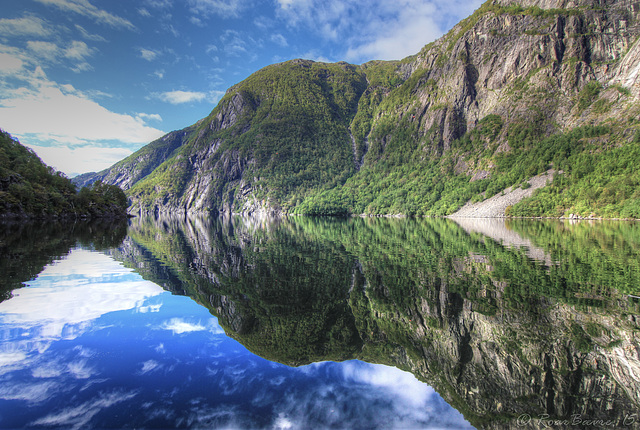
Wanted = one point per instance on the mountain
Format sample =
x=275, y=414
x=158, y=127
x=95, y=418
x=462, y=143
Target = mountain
x=31, y=189
x=515, y=90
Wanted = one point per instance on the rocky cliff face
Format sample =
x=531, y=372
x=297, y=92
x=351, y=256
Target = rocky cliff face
x=297, y=129
x=523, y=59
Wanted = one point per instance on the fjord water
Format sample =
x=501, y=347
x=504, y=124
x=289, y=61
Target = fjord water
x=320, y=323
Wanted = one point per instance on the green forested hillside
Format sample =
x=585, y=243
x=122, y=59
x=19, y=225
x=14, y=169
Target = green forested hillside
x=29, y=188
x=281, y=133
x=598, y=176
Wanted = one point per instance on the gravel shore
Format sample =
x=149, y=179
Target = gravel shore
x=495, y=206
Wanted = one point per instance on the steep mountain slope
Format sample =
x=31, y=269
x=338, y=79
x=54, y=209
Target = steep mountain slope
x=127, y=172
x=513, y=90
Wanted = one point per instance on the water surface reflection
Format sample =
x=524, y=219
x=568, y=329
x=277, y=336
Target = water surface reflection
x=520, y=318
x=93, y=343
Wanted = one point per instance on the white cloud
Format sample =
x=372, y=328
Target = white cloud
x=179, y=97
x=386, y=30
x=82, y=67
x=25, y=26
x=85, y=8
x=148, y=54
x=30, y=392
x=89, y=36
x=180, y=326
x=77, y=51
x=10, y=358
x=159, y=4
x=71, y=293
x=237, y=44
x=402, y=384
x=149, y=309
x=221, y=8
x=80, y=370
x=264, y=23
x=315, y=56
x=149, y=116
x=282, y=422
x=149, y=366
x=44, y=111
x=279, y=39
x=46, y=370
x=10, y=64
x=48, y=51
x=77, y=417
x=378, y=395
x=74, y=161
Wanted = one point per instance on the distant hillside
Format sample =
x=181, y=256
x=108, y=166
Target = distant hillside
x=31, y=189
x=510, y=92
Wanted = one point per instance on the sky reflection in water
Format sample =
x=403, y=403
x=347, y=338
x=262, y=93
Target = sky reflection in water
x=89, y=343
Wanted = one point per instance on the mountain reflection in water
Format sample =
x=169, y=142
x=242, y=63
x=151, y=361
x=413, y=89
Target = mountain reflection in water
x=514, y=323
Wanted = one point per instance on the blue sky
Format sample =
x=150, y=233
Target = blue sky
x=87, y=82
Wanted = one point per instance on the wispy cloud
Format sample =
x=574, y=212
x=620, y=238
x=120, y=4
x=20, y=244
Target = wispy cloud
x=45, y=54
x=29, y=392
x=79, y=416
x=279, y=39
x=85, y=8
x=25, y=26
x=148, y=54
x=47, y=51
x=89, y=36
x=149, y=366
x=159, y=4
x=233, y=43
x=80, y=369
x=78, y=50
x=239, y=44
x=221, y=8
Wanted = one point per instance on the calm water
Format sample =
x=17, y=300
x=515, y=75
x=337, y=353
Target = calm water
x=320, y=323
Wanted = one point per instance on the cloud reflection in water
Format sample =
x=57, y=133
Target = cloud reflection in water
x=90, y=344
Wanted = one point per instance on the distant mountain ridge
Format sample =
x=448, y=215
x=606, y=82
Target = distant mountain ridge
x=513, y=90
